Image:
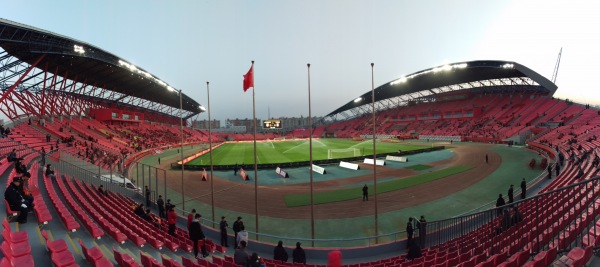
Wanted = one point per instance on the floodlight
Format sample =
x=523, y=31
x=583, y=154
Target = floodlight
x=170, y=88
x=78, y=49
x=202, y=108
x=357, y=100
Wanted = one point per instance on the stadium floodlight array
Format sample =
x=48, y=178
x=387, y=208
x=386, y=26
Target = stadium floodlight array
x=343, y=153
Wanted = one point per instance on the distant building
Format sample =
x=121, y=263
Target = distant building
x=247, y=123
x=288, y=124
x=203, y=124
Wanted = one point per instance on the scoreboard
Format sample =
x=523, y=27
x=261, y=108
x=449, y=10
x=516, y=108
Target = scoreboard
x=272, y=124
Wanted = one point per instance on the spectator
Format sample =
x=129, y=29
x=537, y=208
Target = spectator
x=172, y=220
x=43, y=160
x=254, y=260
x=20, y=168
x=168, y=206
x=365, y=191
x=12, y=156
x=506, y=221
x=223, y=227
x=499, y=203
x=240, y=257
x=148, y=196
x=510, y=194
x=50, y=173
x=101, y=190
x=196, y=234
x=140, y=211
x=279, y=253
x=161, y=207
x=242, y=236
x=422, y=225
x=24, y=190
x=409, y=231
x=298, y=255
x=523, y=188
x=237, y=227
x=517, y=217
x=190, y=218
x=15, y=200
x=414, y=251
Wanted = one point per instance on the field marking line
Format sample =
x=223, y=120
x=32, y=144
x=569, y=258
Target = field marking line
x=361, y=143
x=294, y=147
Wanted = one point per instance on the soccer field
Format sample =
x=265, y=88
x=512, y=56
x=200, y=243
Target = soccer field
x=294, y=151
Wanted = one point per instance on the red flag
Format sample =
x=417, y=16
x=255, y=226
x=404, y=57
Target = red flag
x=249, y=79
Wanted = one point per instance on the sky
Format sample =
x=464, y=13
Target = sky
x=189, y=42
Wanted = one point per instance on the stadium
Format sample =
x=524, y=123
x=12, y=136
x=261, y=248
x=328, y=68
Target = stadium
x=447, y=141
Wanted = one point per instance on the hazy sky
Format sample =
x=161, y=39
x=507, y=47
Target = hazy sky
x=187, y=43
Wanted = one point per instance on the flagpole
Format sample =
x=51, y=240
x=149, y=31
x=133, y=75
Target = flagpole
x=374, y=151
x=310, y=129
x=255, y=159
x=210, y=148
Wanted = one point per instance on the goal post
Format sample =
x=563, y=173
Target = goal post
x=344, y=153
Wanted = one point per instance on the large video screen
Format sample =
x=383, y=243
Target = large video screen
x=272, y=124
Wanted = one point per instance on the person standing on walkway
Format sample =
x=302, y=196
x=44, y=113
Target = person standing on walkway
x=510, y=194
x=523, y=189
x=237, y=227
x=191, y=218
x=147, y=197
x=196, y=235
x=422, y=225
x=409, y=231
x=298, y=255
x=365, y=191
x=161, y=207
x=223, y=227
x=172, y=220
x=499, y=203
x=486, y=158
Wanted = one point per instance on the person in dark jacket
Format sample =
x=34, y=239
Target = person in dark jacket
x=511, y=194
x=240, y=257
x=50, y=172
x=279, y=253
x=499, y=203
x=422, y=226
x=409, y=231
x=237, y=227
x=414, y=251
x=223, y=227
x=298, y=255
x=15, y=200
x=196, y=234
x=365, y=191
x=20, y=168
x=147, y=196
x=161, y=206
x=523, y=188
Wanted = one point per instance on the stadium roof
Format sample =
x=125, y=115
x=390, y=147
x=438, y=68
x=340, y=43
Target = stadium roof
x=488, y=74
x=86, y=63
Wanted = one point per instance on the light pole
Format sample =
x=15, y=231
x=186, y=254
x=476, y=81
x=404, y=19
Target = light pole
x=182, y=139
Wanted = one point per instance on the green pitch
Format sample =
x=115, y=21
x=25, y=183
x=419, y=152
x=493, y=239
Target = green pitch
x=293, y=151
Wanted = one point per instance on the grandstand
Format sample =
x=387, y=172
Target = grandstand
x=74, y=100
